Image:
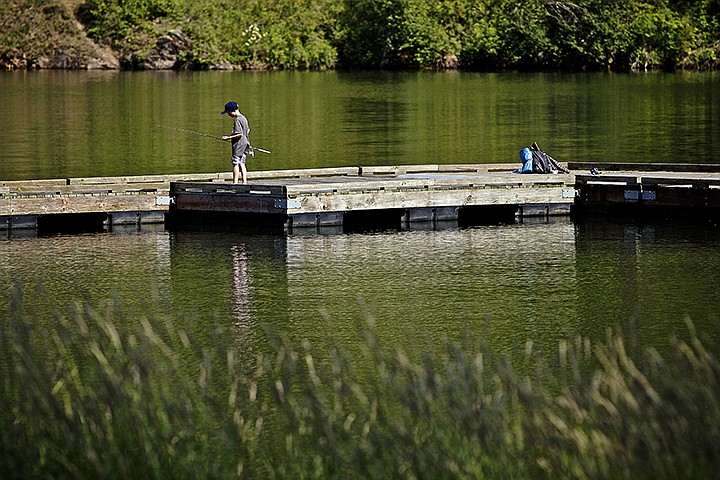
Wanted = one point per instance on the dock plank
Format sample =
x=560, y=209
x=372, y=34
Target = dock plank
x=78, y=204
x=43, y=183
x=646, y=167
x=426, y=198
x=154, y=179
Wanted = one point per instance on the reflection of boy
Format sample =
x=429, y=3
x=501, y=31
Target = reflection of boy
x=240, y=141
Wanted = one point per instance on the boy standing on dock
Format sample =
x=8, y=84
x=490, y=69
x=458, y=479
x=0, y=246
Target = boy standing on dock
x=240, y=141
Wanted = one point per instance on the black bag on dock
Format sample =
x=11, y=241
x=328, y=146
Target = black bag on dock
x=544, y=163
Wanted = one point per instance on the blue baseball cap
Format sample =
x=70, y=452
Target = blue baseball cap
x=230, y=107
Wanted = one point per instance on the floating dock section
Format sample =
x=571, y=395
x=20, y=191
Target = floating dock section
x=649, y=191
x=88, y=203
x=368, y=197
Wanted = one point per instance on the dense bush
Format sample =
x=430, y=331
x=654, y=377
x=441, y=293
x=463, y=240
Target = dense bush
x=104, y=393
x=116, y=19
x=263, y=34
x=391, y=33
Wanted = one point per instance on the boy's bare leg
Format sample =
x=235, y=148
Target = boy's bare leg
x=243, y=173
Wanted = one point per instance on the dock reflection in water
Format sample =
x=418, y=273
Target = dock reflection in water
x=512, y=284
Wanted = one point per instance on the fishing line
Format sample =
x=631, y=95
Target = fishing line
x=185, y=130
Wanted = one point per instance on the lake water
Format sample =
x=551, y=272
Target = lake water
x=69, y=124
x=514, y=284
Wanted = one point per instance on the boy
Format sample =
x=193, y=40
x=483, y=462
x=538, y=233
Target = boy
x=240, y=141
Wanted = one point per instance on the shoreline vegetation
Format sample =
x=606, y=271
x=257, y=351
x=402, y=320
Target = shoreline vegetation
x=472, y=35
x=114, y=394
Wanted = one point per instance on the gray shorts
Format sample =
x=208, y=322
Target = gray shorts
x=239, y=160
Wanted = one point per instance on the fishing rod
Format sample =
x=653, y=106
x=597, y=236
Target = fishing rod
x=184, y=130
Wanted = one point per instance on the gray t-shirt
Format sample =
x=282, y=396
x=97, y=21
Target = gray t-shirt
x=240, y=145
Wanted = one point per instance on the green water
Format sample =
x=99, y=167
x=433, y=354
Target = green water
x=517, y=285
x=56, y=124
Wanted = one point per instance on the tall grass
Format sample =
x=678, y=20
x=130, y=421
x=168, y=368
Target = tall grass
x=103, y=395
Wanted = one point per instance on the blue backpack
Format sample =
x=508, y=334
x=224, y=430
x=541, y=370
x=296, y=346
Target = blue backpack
x=526, y=158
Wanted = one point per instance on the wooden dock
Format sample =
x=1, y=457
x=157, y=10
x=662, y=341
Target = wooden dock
x=348, y=197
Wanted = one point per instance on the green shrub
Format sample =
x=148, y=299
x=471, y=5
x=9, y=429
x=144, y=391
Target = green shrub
x=115, y=20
